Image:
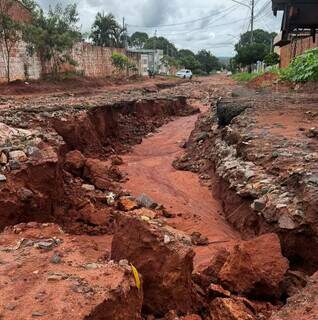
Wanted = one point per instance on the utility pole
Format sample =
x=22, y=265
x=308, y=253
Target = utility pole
x=252, y=20
x=252, y=8
x=125, y=33
x=154, y=51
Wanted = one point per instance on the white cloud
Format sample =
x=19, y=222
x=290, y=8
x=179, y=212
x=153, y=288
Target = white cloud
x=216, y=33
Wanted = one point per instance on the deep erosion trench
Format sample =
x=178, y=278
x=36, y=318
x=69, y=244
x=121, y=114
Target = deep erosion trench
x=193, y=207
x=103, y=218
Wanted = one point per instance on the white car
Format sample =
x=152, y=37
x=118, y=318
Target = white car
x=185, y=74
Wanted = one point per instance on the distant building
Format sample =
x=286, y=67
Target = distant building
x=150, y=60
x=299, y=28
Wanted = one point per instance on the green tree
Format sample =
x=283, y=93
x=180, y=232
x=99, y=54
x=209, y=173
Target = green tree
x=162, y=44
x=10, y=33
x=31, y=5
x=170, y=61
x=259, y=36
x=248, y=53
x=208, y=61
x=106, y=32
x=52, y=35
x=188, y=60
x=251, y=53
x=139, y=39
x=185, y=53
x=272, y=59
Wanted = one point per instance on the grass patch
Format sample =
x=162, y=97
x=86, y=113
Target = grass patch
x=246, y=76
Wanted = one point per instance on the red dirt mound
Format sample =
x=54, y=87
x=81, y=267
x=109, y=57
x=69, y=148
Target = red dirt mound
x=265, y=80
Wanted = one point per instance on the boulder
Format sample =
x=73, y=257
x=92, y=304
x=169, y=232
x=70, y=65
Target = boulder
x=255, y=267
x=198, y=239
x=228, y=110
x=164, y=257
x=96, y=171
x=208, y=273
x=95, y=216
x=33, y=152
x=74, y=162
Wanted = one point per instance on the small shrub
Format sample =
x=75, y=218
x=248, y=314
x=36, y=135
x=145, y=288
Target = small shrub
x=303, y=68
x=119, y=61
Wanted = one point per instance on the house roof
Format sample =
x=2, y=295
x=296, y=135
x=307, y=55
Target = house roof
x=297, y=16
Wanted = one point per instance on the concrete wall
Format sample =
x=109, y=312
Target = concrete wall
x=288, y=52
x=93, y=61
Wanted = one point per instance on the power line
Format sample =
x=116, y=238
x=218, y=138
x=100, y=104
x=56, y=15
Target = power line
x=185, y=22
x=201, y=29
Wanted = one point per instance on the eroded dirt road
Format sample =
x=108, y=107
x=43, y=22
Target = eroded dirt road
x=150, y=171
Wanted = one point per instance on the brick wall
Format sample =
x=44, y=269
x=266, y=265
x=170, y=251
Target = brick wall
x=288, y=52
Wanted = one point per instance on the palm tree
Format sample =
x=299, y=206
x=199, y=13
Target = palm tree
x=106, y=32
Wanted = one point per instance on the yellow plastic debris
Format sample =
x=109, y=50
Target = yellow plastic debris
x=136, y=276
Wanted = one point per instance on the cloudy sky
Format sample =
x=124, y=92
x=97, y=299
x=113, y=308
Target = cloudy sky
x=193, y=24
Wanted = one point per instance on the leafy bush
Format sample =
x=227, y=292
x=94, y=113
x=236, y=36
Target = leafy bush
x=121, y=62
x=245, y=76
x=303, y=68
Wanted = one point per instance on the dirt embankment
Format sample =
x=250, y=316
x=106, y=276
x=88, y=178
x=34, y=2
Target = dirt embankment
x=258, y=154
x=38, y=181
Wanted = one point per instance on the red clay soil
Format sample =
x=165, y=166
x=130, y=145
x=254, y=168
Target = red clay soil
x=82, y=85
x=47, y=274
x=265, y=80
x=150, y=171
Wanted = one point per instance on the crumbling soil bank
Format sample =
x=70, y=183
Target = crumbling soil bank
x=258, y=156
x=44, y=182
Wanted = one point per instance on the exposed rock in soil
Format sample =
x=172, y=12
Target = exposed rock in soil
x=303, y=305
x=266, y=169
x=164, y=257
x=237, y=308
x=79, y=286
x=227, y=110
x=227, y=308
x=97, y=172
x=254, y=268
x=75, y=162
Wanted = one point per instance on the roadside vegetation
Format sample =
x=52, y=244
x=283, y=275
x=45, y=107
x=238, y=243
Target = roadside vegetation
x=303, y=68
x=246, y=76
